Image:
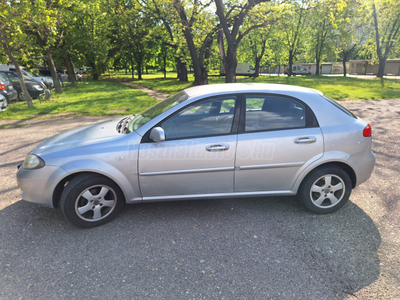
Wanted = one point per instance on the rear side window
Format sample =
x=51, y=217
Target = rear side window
x=337, y=105
x=272, y=112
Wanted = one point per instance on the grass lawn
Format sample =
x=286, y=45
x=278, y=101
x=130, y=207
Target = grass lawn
x=90, y=98
x=101, y=98
x=335, y=87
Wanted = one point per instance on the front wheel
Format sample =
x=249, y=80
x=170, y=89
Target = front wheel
x=325, y=190
x=90, y=200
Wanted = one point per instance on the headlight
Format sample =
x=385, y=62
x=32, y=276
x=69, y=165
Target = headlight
x=33, y=161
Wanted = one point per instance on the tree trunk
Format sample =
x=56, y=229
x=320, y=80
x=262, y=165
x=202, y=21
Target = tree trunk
x=318, y=62
x=70, y=69
x=381, y=69
x=345, y=54
x=182, y=70
x=165, y=64
x=230, y=66
x=132, y=69
x=53, y=71
x=257, y=67
x=139, y=69
x=290, y=71
x=4, y=41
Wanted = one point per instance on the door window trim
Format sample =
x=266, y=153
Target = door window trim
x=235, y=123
x=311, y=120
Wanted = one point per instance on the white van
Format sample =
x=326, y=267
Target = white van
x=242, y=69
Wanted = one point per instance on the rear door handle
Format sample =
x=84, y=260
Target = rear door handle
x=217, y=147
x=305, y=140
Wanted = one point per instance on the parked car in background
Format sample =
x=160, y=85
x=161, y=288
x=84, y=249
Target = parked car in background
x=35, y=89
x=3, y=103
x=31, y=74
x=62, y=76
x=213, y=141
x=7, y=89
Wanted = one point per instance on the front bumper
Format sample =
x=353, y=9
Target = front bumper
x=38, y=185
x=35, y=94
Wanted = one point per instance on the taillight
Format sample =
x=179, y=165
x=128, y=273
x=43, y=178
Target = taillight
x=367, y=131
x=2, y=87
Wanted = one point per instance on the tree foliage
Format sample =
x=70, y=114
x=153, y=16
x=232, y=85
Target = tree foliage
x=139, y=34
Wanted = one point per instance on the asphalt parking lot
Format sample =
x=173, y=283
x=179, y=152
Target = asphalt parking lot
x=255, y=248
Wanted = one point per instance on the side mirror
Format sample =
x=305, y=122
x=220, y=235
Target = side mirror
x=157, y=134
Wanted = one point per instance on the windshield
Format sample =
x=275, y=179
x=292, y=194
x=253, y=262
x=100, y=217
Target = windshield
x=4, y=78
x=156, y=110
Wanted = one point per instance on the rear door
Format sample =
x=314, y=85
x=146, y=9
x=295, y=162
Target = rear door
x=278, y=136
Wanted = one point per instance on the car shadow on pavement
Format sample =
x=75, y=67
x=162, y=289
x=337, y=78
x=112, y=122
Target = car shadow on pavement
x=248, y=248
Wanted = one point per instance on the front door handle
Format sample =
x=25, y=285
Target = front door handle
x=305, y=140
x=217, y=147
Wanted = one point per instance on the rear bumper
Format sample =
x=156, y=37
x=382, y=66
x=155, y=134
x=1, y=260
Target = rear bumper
x=363, y=164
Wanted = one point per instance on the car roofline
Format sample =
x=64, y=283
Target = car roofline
x=236, y=88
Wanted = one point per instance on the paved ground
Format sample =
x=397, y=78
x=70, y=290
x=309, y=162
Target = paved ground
x=265, y=248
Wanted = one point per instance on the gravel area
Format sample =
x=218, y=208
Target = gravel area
x=255, y=248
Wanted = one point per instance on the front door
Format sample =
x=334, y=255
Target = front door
x=197, y=157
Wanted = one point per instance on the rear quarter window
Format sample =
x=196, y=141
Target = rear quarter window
x=340, y=107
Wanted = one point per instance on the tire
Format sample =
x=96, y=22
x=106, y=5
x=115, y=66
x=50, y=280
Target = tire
x=90, y=200
x=21, y=96
x=325, y=190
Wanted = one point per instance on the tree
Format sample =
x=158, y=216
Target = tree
x=231, y=17
x=386, y=21
x=350, y=31
x=43, y=22
x=13, y=38
x=199, y=31
x=325, y=18
x=293, y=26
x=163, y=12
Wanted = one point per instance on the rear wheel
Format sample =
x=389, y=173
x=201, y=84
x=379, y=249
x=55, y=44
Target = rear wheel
x=325, y=190
x=90, y=200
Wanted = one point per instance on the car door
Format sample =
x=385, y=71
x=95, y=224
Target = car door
x=197, y=157
x=278, y=137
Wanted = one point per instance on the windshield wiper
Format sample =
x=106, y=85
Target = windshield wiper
x=122, y=126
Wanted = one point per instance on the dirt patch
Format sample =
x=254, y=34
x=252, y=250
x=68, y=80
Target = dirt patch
x=152, y=93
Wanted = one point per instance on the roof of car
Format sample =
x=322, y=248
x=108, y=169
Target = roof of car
x=203, y=90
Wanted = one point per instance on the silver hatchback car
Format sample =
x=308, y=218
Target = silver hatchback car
x=225, y=140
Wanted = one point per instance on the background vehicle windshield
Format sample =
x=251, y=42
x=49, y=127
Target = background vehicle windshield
x=156, y=110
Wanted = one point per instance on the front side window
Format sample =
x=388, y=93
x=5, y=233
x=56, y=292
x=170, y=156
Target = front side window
x=204, y=118
x=273, y=112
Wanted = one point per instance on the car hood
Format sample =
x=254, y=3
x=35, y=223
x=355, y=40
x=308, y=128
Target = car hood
x=81, y=136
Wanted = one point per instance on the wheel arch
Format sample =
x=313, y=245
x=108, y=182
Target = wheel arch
x=130, y=191
x=64, y=182
x=348, y=169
